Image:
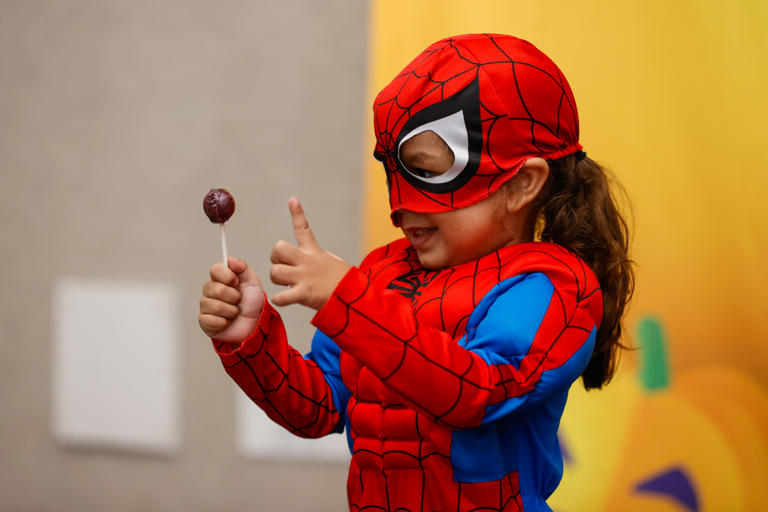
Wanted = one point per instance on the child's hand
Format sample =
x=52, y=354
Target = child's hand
x=311, y=273
x=232, y=301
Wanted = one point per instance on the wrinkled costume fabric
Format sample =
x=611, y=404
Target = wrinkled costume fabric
x=449, y=383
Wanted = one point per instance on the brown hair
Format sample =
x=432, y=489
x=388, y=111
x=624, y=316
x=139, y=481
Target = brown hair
x=578, y=211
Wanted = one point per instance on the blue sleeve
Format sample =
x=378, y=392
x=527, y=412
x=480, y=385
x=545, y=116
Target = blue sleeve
x=326, y=354
x=503, y=330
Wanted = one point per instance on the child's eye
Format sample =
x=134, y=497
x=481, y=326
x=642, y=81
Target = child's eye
x=424, y=173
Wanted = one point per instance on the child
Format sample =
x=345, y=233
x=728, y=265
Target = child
x=447, y=355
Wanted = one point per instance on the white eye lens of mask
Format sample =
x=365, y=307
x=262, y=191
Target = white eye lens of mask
x=453, y=130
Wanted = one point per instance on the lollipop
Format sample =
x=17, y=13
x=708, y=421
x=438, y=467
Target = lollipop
x=219, y=205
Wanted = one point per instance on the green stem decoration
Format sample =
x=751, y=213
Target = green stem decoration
x=654, y=369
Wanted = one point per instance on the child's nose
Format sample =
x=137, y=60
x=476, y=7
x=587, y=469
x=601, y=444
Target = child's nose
x=407, y=218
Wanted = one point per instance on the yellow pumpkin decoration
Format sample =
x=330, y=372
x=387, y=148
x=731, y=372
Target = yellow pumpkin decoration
x=697, y=443
x=738, y=406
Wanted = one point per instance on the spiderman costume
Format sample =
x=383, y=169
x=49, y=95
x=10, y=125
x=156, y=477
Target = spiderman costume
x=449, y=382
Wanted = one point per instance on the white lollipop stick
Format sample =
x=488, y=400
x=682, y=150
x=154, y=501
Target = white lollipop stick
x=224, y=255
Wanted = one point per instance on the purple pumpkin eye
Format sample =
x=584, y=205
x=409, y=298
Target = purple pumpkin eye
x=673, y=483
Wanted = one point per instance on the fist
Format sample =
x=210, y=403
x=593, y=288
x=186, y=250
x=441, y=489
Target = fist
x=232, y=301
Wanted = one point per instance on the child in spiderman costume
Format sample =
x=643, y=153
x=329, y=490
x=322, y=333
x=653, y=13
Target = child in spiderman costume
x=447, y=355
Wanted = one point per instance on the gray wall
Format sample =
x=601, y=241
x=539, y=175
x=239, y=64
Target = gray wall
x=115, y=118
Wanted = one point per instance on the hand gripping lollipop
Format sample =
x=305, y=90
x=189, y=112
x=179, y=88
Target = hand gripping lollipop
x=219, y=205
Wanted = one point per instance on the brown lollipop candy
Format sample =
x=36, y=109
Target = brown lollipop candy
x=219, y=205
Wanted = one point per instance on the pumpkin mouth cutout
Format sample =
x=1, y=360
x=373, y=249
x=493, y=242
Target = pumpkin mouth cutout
x=674, y=483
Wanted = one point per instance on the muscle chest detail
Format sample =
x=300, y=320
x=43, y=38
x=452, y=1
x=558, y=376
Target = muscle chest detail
x=381, y=421
x=445, y=298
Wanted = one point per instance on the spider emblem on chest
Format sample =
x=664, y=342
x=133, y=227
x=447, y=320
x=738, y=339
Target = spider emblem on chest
x=411, y=284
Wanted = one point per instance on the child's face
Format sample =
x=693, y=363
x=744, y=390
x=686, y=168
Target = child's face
x=457, y=236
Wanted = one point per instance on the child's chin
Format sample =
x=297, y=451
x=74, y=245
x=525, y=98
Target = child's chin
x=432, y=261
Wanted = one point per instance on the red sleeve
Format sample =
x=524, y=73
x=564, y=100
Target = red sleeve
x=289, y=388
x=374, y=256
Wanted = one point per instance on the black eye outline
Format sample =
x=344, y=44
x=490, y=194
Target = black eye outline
x=466, y=101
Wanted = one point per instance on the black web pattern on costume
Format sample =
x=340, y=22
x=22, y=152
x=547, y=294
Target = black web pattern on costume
x=455, y=287
x=453, y=283
x=398, y=111
x=276, y=387
x=270, y=386
x=508, y=493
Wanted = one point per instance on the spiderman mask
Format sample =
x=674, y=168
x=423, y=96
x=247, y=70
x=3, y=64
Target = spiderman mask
x=495, y=100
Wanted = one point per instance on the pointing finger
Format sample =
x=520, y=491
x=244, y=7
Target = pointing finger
x=301, y=230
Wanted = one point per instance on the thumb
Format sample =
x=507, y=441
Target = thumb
x=245, y=274
x=301, y=230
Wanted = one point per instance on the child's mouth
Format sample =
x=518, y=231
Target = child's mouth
x=419, y=236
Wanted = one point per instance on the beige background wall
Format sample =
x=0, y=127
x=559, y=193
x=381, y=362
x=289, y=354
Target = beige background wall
x=115, y=118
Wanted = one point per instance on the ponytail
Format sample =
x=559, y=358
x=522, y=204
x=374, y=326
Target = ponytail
x=578, y=211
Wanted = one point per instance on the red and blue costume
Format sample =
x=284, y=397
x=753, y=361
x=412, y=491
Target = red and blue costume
x=450, y=383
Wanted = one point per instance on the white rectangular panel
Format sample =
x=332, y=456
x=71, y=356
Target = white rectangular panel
x=115, y=365
x=259, y=437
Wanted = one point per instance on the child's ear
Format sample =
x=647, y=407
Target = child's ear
x=527, y=184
